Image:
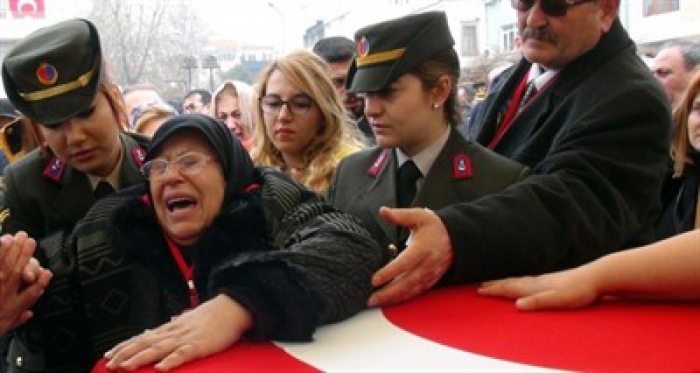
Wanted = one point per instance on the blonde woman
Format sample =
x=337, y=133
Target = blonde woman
x=151, y=117
x=233, y=104
x=302, y=128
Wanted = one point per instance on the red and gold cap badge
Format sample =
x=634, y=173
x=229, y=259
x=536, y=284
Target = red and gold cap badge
x=46, y=74
x=363, y=47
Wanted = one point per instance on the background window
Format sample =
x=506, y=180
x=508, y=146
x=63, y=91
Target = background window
x=508, y=38
x=469, y=47
x=652, y=7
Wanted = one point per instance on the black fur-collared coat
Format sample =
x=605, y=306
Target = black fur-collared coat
x=293, y=261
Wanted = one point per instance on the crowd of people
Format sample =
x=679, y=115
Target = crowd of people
x=340, y=180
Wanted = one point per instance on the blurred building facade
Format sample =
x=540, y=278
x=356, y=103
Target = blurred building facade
x=484, y=30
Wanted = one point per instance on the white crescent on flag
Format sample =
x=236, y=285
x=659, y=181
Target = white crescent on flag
x=370, y=342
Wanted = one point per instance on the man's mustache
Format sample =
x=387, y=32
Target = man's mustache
x=540, y=34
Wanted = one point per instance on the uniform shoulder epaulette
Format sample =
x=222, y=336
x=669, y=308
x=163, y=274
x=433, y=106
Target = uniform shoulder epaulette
x=54, y=170
x=378, y=163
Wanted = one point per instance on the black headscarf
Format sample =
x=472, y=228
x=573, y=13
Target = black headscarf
x=235, y=161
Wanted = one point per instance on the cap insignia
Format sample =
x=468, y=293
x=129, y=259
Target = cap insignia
x=46, y=73
x=363, y=47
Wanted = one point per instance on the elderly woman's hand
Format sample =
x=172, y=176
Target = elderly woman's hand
x=22, y=280
x=210, y=328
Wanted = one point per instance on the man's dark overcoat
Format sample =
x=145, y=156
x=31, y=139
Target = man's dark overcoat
x=597, y=142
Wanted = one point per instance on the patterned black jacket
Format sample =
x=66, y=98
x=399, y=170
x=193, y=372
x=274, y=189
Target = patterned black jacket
x=295, y=262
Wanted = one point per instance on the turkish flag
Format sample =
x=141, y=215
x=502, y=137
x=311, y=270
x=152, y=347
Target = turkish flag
x=27, y=8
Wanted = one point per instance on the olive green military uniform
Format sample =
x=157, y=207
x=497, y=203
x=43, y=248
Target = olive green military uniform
x=52, y=76
x=40, y=203
x=366, y=180
x=462, y=171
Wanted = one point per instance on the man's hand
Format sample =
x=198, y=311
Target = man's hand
x=424, y=261
x=22, y=280
x=210, y=328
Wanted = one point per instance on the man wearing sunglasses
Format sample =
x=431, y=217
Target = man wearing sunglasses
x=586, y=115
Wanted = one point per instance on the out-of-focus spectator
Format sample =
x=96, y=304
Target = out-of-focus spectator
x=232, y=103
x=18, y=135
x=137, y=97
x=176, y=104
x=7, y=115
x=673, y=66
x=197, y=101
x=468, y=127
x=338, y=52
x=465, y=96
x=151, y=117
x=301, y=124
x=680, y=192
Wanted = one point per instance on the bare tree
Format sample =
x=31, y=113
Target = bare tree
x=145, y=41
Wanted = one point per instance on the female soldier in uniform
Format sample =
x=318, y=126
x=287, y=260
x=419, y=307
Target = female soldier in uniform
x=407, y=71
x=56, y=78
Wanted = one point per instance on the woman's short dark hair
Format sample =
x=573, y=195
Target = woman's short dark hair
x=429, y=73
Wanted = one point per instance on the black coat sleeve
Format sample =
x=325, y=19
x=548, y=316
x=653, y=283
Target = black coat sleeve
x=316, y=270
x=593, y=190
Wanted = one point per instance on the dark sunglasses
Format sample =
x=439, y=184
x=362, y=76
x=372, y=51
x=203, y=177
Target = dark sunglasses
x=12, y=136
x=554, y=8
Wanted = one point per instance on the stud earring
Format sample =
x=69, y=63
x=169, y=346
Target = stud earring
x=436, y=106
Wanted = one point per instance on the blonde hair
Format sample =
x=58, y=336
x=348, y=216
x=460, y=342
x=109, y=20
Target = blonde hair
x=681, y=148
x=336, y=138
x=153, y=112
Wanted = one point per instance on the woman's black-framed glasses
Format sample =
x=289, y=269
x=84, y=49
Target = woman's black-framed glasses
x=555, y=8
x=299, y=104
x=190, y=164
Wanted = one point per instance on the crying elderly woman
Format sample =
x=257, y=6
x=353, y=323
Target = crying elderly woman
x=246, y=250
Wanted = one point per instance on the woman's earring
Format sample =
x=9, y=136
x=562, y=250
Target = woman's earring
x=436, y=106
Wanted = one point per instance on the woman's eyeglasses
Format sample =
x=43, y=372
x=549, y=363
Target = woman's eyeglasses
x=299, y=104
x=554, y=8
x=187, y=164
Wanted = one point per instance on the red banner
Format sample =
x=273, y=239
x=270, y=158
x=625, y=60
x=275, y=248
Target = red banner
x=27, y=8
